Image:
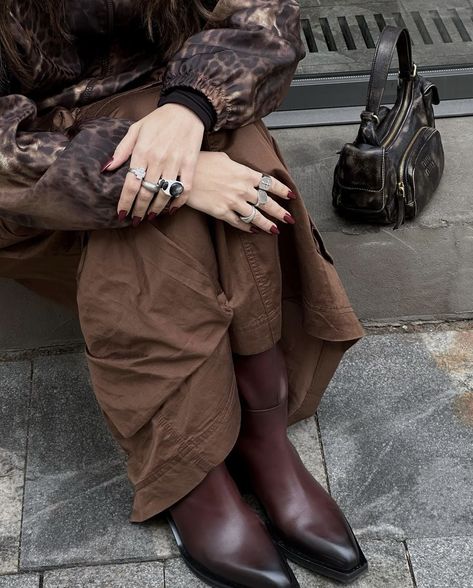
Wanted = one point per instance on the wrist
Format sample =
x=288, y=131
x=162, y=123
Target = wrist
x=183, y=111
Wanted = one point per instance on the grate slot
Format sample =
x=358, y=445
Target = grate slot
x=365, y=31
x=328, y=35
x=346, y=32
x=459, y=25
x=380, y=21
x=420, y=24
x=309, y=35
x=440, y=25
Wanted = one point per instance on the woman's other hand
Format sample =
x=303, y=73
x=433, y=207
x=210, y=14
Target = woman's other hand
x=166, y=143
x=226, y=190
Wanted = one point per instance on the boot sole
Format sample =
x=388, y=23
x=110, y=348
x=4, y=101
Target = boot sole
x=203, y=573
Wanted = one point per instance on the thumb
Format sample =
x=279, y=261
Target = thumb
x=124, y=149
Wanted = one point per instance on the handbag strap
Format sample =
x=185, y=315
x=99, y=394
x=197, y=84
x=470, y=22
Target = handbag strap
x=390, y=39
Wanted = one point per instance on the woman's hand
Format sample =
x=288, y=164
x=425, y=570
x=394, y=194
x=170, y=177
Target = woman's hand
x=226, y=190
x=167, y=144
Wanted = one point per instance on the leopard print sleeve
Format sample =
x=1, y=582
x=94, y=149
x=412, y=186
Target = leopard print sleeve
x=246, y=64
x=51, y=179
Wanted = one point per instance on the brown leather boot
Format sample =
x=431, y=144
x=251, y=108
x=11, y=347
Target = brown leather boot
x=222, y=539
x=304, y=519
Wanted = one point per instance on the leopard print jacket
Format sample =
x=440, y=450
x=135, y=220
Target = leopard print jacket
x=50, y=159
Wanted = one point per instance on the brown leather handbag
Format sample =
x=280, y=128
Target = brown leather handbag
x=392, y=169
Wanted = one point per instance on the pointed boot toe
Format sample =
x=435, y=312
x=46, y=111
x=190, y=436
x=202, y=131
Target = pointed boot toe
x=223, y=541
x=339, y=557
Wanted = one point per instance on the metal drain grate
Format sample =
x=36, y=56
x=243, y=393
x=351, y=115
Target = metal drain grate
x=422, y=22
x=339, y=36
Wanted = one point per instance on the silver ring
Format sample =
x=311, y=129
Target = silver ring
x=262, y=198
x=138, y=172
x=151, y=187
x=251, y=217
x=172, y=188
x=265, y=183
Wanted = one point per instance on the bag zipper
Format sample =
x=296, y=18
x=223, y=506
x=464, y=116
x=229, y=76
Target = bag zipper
x=387, y=140
x=401, y=188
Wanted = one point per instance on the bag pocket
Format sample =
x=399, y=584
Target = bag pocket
x=364, y=178
x=421, y=169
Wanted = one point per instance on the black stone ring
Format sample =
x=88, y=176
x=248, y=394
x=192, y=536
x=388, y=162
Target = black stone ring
x=173, y=188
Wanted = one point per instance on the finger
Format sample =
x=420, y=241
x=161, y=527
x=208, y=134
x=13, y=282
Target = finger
x=186, y=176
x=277, y=188
x=125, y=148
x=260, y=221
x=145, y=197
x=130, y=189
x=272, y=208
x=170, y=172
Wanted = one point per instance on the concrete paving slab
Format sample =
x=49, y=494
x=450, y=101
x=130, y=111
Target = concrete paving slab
x=423, y=270
x=20, y=581
x=77, y=497
x=140, y=575
x=397, y=433
x=388, y=568
x=14, y=397
x=442, y=563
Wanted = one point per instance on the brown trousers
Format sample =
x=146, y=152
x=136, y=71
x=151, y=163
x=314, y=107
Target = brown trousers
x=163, y=306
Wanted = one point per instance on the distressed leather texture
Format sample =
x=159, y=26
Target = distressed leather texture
x=50, y=157
x=392, y=169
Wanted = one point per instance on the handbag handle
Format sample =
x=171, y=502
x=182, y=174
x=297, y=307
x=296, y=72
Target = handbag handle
x=390, y=39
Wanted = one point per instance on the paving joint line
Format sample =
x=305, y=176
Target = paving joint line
x=89, y=564
x=409, y=563
x=322, y=451
x=25, y=466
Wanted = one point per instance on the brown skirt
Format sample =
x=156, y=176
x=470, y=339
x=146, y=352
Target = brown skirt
x=163, y=306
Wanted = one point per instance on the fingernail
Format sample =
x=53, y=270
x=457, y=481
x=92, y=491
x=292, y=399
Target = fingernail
x=122, y=215
x=108, y=164
x=151, y=216
x=274, y=230
x=173, y=210
x=292, y=195
x=136, y=220
x=289, y=219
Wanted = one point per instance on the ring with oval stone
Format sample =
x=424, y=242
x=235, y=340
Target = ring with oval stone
x=262, y=198
x=265, y=183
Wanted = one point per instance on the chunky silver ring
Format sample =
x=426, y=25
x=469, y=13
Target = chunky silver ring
x=151, y=186
x=172, y=188
x=138, y=172
x=251, y=217
x=262, y=198
x=265, y=183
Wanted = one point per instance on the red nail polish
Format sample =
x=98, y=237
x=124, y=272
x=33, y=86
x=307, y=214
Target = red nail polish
x=151, y=216
x=173, y=210
x=292, y=195
x=274, y=230
x=289, y=219
x=136, y=220
x=122, y=215
x=108, y=164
